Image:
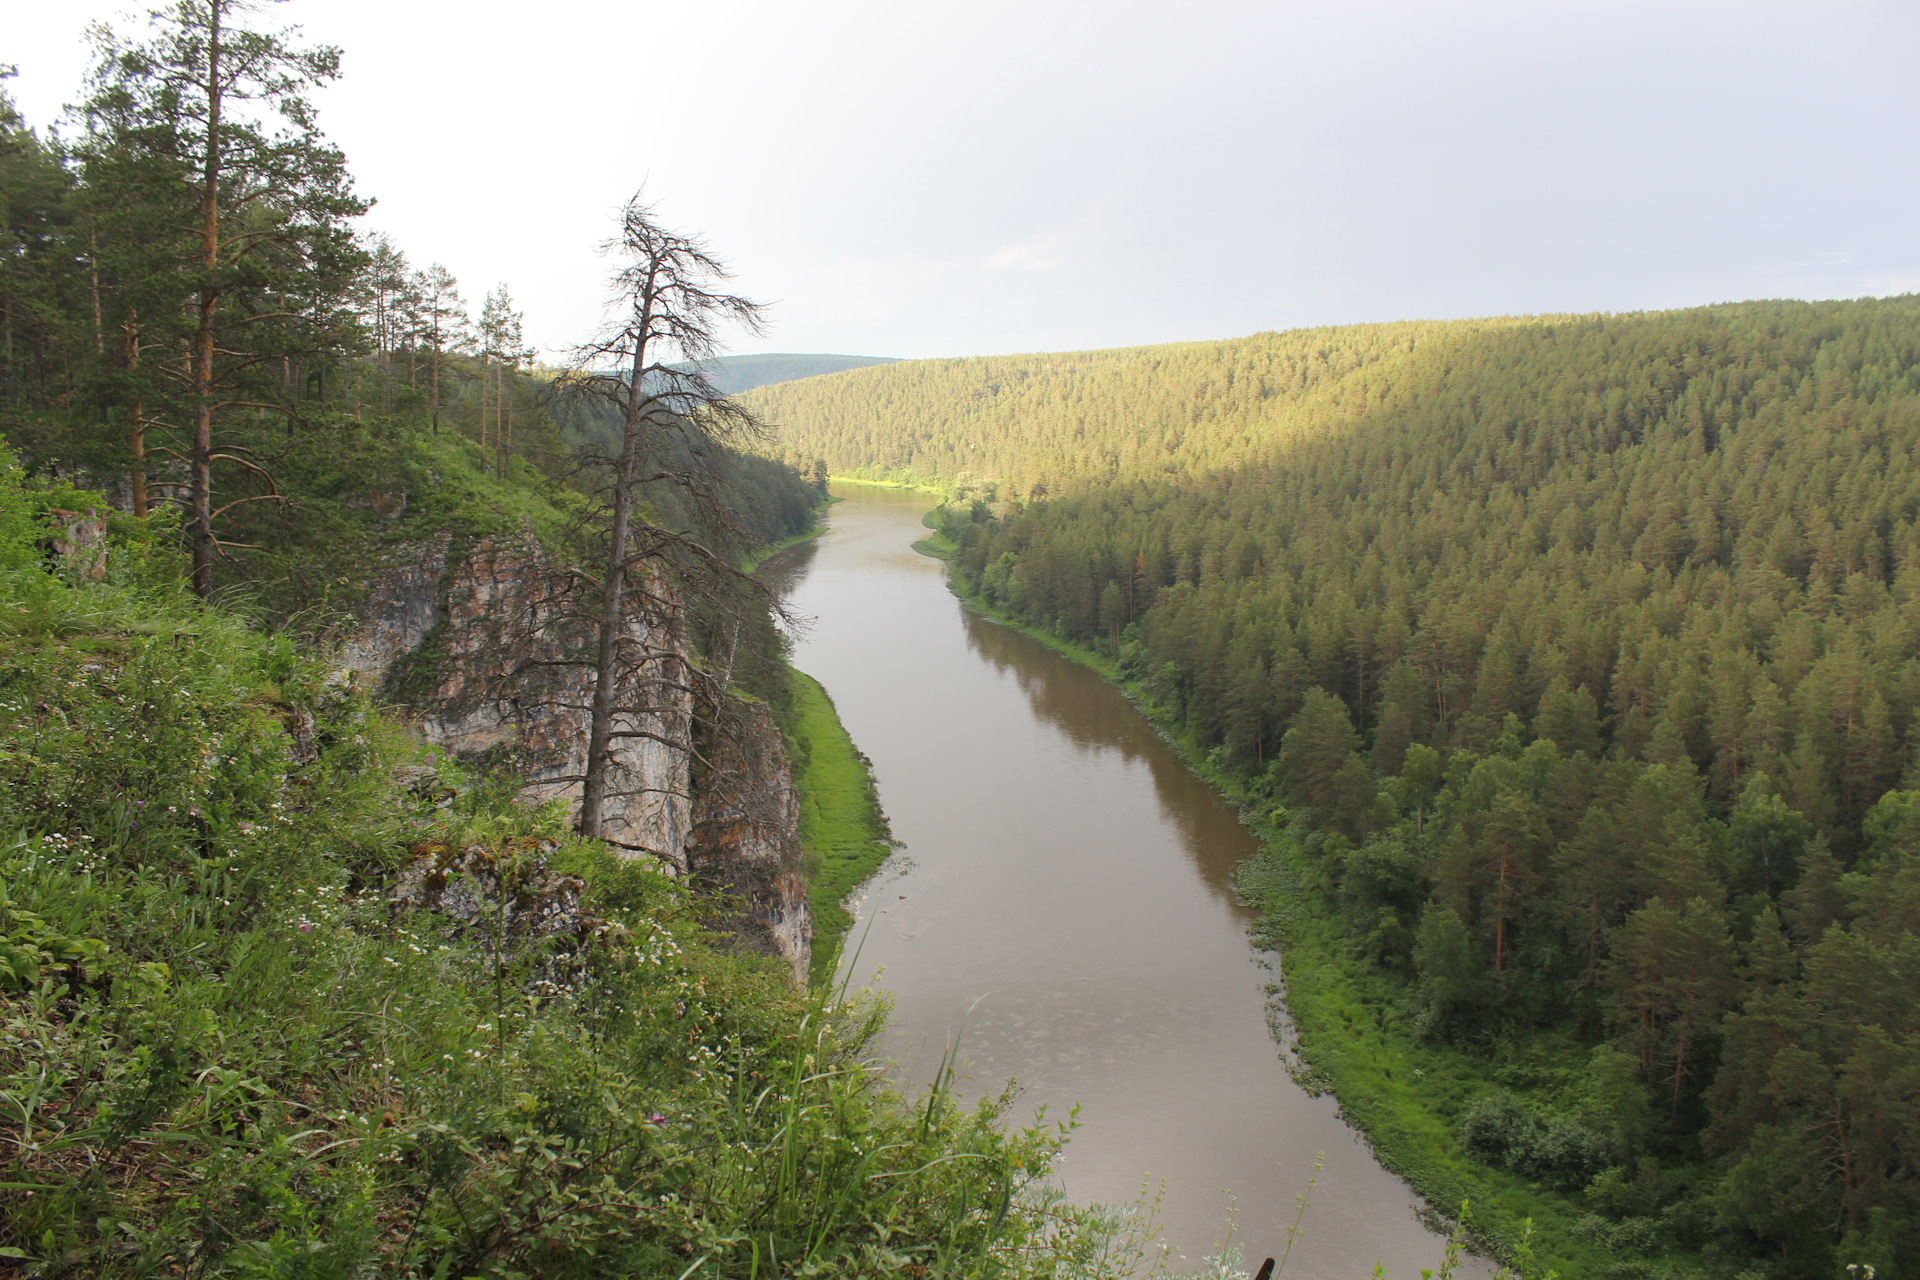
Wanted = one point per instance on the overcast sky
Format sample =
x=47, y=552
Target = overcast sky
x=922, y=177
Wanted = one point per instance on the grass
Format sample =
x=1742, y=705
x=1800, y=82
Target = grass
x=842, y=827
x=1405, y=1094
x=229, y=1046
x=910, y=481
x=754, y=559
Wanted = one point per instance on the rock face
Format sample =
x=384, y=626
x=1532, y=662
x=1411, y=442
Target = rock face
x=78, y=543
x=401, y=608
x=481, y=645
x=509, y=895
x=746, y=837
x=484, y=648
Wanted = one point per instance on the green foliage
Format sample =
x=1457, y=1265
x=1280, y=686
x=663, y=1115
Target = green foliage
x=842, y=827
x=228, y=1046
x=1580, y=653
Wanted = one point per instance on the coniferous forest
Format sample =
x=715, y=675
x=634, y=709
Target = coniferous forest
x=1569, y=667
x=1574, y=664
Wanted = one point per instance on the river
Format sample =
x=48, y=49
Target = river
x=1064, y=903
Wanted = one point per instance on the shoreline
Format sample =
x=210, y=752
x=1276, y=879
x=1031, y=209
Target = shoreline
x=760, y=555
x=842, y=826
x=1342, y=1039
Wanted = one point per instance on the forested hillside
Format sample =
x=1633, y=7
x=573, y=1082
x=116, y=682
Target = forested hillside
x=1048, y=420
x=735, y=374
x=1579, y=660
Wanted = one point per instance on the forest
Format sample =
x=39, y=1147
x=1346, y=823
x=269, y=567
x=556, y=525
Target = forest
x=280, y=375
x=1573, y=663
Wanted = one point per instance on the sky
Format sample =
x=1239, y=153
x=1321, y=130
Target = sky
x=930, y=178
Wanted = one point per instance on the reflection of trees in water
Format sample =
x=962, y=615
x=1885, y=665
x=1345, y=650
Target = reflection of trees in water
x=782, y=575
x=1097, y=718
x=789, y=569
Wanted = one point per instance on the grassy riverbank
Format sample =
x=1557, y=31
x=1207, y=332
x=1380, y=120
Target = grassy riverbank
x=841, y=823
x=910, y=481
x=1351, y=1037
x=755, y=559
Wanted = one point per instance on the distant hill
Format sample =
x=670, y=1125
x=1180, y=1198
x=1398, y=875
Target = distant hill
x=1572, y=667
x=734, y=374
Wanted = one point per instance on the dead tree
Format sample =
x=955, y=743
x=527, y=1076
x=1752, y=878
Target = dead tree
x=675, y=426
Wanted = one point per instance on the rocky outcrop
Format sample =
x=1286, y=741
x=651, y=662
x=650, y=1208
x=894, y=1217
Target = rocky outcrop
x=78, y=543
x=401, y=608
x=512, y=902
x=481, y=645
x=486, y=647
x=746, y=836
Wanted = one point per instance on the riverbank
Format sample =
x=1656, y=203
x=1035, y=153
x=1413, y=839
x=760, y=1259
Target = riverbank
x=842, y=826
x=1349, y=1036
x=754, y=559
x=915, y=485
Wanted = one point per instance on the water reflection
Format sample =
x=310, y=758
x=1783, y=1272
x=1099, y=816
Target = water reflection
x=1068, y=901
x=1095, y=717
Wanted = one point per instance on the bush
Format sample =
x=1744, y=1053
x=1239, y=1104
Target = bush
x=1557, y=1151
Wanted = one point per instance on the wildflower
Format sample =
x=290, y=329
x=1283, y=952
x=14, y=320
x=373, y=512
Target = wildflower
x=656, y=1119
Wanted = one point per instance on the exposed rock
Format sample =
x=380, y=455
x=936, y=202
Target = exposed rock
x=509, y=896
x=509, y=677
x=79, y=543
x=401, y=608
x=303, y=745
x=746, y=836
x=483, y=648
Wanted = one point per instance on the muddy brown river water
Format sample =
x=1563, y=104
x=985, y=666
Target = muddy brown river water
x=1064, y=903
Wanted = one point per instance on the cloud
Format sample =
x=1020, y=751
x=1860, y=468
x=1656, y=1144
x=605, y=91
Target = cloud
x=1046, y=251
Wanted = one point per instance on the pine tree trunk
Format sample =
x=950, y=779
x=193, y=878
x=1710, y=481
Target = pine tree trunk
x=612, y=604
x=607, y=659
x=200, y=462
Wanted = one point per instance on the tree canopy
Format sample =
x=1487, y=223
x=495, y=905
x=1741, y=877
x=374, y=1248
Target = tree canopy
x=1584, y=653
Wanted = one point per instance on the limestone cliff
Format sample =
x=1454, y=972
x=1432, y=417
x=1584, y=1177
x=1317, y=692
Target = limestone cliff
x=478, y=645
x=746, y=835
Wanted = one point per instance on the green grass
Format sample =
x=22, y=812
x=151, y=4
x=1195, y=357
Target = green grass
x=897, y=480
x=757, y=558
x=1407, y=1094
x=841, y=825
x=227, y=1048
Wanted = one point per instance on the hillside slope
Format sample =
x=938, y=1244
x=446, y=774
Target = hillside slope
x=1574, y=664
x=736, y=374
x=1053, y=419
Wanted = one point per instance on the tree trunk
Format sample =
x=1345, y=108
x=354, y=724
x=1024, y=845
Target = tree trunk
x=200, y=463
x=503, y=439
x=136, y=428
x=607, y=660
x=93, y=267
